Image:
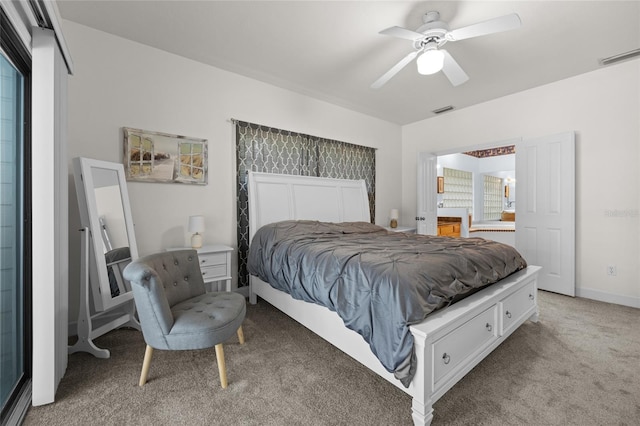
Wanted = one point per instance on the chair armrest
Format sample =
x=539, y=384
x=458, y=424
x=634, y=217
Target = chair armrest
x=153, y=308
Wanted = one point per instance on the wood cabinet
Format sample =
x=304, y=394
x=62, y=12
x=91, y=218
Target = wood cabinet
x=508, y=216
x=449, y=229
x=449, y=226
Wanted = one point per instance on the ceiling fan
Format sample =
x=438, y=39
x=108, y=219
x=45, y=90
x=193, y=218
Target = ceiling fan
x=432, y=35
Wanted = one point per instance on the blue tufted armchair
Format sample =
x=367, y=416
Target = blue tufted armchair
x=175, y=311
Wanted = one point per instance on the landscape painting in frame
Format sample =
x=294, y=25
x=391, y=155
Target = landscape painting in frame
x=161, y=157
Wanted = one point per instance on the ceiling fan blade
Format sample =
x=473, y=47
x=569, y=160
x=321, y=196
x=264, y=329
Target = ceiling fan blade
x=402, y=33
x=452, y=70
x=495, y=25
x=394, y=70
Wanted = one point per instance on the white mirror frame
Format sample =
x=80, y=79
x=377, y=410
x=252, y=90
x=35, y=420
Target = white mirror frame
x=85, y=188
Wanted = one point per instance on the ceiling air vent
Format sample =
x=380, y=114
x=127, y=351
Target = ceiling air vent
x=443, y=109
x=621, y=57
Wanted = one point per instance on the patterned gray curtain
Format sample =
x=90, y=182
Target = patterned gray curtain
x=270, y=150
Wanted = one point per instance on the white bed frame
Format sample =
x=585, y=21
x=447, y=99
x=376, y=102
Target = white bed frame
x=448, y=344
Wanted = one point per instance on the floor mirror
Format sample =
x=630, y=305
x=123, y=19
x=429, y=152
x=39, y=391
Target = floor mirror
x=107, y=245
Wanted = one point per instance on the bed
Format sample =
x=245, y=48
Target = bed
x=446, y=345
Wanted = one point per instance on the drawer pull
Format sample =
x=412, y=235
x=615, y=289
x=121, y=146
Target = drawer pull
x=508, y=314
x=446, y=358
x=531, y=297
x=489, y=328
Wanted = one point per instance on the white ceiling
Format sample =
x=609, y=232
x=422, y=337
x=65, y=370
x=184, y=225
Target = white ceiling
x=331, y=50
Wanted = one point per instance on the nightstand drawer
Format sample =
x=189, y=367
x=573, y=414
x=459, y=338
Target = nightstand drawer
x=212, y=259
x=215, y=273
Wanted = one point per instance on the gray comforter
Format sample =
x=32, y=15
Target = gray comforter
x=378, y=282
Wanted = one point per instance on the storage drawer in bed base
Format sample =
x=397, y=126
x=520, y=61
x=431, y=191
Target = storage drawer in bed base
x=464, y=334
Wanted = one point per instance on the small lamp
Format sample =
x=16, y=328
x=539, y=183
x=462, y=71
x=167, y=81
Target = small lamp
x=196, y=225
x=394, y=218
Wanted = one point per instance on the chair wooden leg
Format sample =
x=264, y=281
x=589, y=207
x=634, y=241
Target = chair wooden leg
x=148, y=353
x=240, y=335
x=221, y=366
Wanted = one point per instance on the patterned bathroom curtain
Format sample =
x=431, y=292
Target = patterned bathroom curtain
x=270, y=150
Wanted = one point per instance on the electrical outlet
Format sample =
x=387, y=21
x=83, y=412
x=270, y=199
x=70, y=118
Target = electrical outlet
x=611, y=270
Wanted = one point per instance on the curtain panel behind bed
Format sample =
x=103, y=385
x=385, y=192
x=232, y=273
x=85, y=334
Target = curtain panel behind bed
x=270, y=150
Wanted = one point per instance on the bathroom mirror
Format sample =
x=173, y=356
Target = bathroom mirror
x=106, y=214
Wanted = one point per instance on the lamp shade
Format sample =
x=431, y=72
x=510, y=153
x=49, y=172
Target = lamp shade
x=430, y=62
x=196, y=223
x=394, y=214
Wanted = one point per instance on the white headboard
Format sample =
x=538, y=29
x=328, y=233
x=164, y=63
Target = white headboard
x=275, y=197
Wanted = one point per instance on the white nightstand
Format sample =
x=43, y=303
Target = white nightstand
x=399, y=228
x=215, y=264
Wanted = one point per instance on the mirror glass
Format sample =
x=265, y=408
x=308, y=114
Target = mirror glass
x=109, y=209
x=113, y=230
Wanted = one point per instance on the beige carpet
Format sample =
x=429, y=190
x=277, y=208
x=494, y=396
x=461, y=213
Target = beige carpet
x=580, y=365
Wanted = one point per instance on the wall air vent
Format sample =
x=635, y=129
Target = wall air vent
x=443, y=109
x=621, y=57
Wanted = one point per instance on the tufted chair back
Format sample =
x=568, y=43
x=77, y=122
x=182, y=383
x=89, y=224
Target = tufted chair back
x=159, y=282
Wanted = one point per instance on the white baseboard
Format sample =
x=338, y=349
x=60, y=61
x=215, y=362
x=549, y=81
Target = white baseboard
x=603, y=296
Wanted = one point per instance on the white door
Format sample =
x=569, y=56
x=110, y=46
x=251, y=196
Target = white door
x=426, y=212
x=545, y=209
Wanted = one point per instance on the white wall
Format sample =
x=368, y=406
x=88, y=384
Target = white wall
x=603, y=108
x=457, y=161
x=120, y=83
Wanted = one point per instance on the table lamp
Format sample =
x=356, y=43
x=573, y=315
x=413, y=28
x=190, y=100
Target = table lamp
x=394, y=215
x=196, y=225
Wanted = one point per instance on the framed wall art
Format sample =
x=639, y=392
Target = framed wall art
x=162, y=157
x=440, y=184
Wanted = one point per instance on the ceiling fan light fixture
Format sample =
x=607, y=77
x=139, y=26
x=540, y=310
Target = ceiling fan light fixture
x=430, y=62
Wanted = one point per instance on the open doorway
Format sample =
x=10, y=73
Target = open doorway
x=479, y=184
x=544, y=212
